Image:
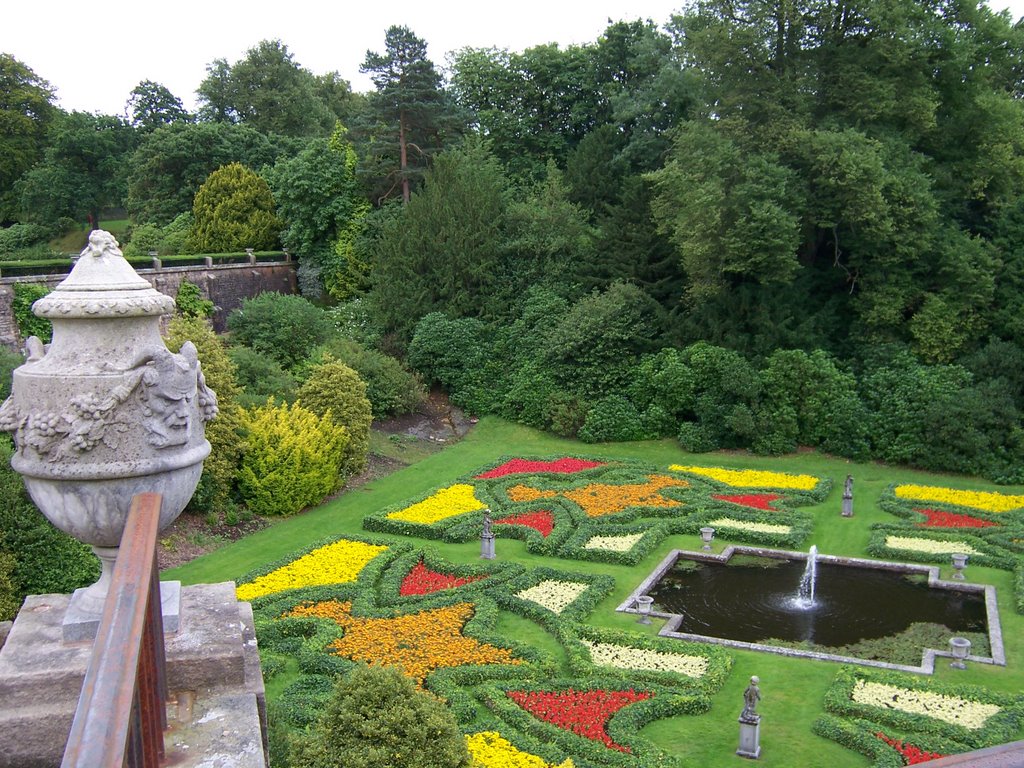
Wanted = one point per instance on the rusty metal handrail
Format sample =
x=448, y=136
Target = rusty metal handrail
x=121, y=713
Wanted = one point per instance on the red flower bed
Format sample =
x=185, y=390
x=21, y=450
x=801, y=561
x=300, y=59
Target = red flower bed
x=541, y=520
x=755, y=500
x=913, y=755
x=585, y=713
x=520, y=466
x=422, y=581
x=937, y=518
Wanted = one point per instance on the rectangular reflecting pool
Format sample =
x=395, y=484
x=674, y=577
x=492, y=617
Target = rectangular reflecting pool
x=752, y=597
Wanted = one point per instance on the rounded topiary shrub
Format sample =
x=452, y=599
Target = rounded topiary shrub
x=292, y=458
x=377, y=718
x=612, y=419
x=334, y=388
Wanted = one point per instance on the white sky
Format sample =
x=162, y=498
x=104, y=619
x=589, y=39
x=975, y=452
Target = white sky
x=94, y=53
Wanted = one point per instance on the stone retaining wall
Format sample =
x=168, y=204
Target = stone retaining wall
x=226, y=286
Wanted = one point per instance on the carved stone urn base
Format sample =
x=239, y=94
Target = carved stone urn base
x=82, y=618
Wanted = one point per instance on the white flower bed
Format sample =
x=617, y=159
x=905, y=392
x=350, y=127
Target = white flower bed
x=931, y=546
x=622, y=543
x=949, y=709
x=553, y=595
x=627, y=657
x=746, y=525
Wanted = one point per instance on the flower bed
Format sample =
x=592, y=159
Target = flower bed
x=489, y=750
x=585, y=713
x=542, y=521
x=753, y=500
x=929, y=546
x=911, y=753
x=600, y=499
x=986, y=501
x=419, y=642
x=950, y=709
x=448, y=502
x=423, y=581
x=553, y=595
x=750, y=525
x=622, y=543
x=335, y=563
x=630, y=657
x=750, y=478
x=564, y=466
x=967, y=714
x=939, y=518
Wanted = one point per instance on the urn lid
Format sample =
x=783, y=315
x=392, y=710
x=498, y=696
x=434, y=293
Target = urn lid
x=103, y=284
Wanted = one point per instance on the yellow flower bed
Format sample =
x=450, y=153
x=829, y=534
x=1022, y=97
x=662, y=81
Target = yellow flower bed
x=747, y=525
x=448, y=502
x=334, y=563
x=489, y=750
x=986, y=501
x=752, y=478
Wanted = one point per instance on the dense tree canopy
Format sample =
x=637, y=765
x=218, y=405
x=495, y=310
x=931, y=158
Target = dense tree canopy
x=26, y=108
x=792, y=199
x=269, y=91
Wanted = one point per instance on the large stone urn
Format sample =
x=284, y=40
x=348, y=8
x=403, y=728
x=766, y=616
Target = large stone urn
x=105, y=411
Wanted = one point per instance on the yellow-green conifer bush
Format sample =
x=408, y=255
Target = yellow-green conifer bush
x=292, y=458
x=332, y=387
x=224, y=432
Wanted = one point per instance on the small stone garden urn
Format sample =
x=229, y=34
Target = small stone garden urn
x=105, y=411
x=959, y=563
x=960, y=647
x=644, y=603
x=707, y=533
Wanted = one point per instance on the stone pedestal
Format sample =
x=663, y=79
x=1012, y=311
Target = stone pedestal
x=847, y=506
x=487, y=547
x=81, y=623
x=217, y=708
x=750, y=737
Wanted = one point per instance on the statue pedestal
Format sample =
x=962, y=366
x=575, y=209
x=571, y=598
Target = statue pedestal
x=487, y=547
x=216, y=706
x=750, y=737
x=847, y=506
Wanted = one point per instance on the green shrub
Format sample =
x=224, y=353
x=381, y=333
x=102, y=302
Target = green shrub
x=190, y=302
x=221, y=466
x=807, y=400
x=725, y=391
x=593, y=349
x=19, y=237
x=10, y=597
x=234, y=209
x=9, y=360
x=261, y=376
x=25, y=295
x=285, y=328
x=391, y=389
x=291, y=460
x=377, y=718
x=459, y=355
x=612, y=419
x=48, y=560
x=336, y=390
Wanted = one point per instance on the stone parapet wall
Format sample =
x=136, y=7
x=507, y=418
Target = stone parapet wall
x=226, y=286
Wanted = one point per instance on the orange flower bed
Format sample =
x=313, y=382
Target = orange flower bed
x=600, y=499
x=419, y=643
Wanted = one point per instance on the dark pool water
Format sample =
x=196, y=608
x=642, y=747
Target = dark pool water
x=751, y=603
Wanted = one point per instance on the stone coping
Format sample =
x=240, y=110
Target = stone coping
x=928, y=655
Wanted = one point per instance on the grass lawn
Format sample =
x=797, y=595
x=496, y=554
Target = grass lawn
x=793, y=689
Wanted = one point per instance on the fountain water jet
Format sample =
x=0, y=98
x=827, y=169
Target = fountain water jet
x=805, y=594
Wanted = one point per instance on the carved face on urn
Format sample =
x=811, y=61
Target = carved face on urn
x=168, y=386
